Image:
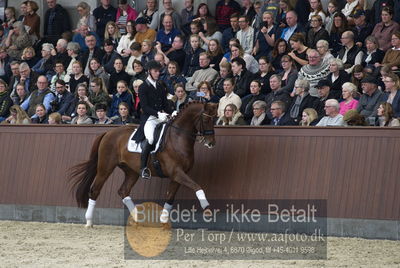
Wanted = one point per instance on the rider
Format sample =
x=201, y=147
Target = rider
x=156, y=109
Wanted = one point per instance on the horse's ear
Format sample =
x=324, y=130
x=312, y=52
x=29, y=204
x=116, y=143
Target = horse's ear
x=211, y=108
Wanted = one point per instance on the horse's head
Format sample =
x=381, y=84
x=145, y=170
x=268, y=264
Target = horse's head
x=205, y=124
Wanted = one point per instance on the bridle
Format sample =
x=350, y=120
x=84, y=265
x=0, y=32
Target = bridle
x=201, y=131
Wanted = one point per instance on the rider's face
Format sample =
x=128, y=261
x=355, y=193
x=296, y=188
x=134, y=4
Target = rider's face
x=155, y=74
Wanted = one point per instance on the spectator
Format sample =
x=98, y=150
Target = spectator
x=279, y=115
x=275, y=57
x=22, y=9
x=392, y=86
x=316, y=10
x=54, y=119
x=231, y=116
x=276, y=93
x=386, y=116
x=370, y=99
x=224, y=10
x=265, y=37
x=299, y=50
x=229, y=32
x=332, y=11
x=125, y=13
x=349, y=103
x=10, y=18
x=350, y=7
x=392, y=55
x=211, y=32
x=81, y=36
x=127, y=40
x=273, y=7
x=136, y=54
x=284, y=7
x=238, y=52
x=77, y=76
x=245, y=35
x=225, y=71
x=358, y=74
x=289, y=74
x=29, y=56
x=350, y=54
x=180, y=98
x=123, y=115
x=176, y=20
x=27, y=77
x=4, y=65
x=206, y=73
x=151, y=14
x=338, y=28
x=17, y=40
x=309, y=117
x=260, y=117
x=362, y=29
x=242, y=77
x=167, y=34
x=138, y=71
x=18, y=116
x=98, y=93
x=302, y=100
x=97, y=71
x=293, y=26
x=73, y=49
x=187, y=15
x=203, y=13
x=14, y=79
x=112, y=33
x=248, y=10
x=215, y=52
x=5, y=101
x=315, y=71
x=82, y=117
x=143, y=31
x=117, y=75
x=376, y=10
x=264, y=74
x=45, y=66
x=61, y=53
x=324, y=88
x=64, y=99
x=176, y=53
x=56, y=22
x=317, y=32
x=337, y=76
x=205, y=93
x=353, y=118
x=323, y=50
x=147, y=52
x=173, y=77
x=333, y=117
x=137, y=109
x=247, y=101
x=85, y=18
x=384, y=30
x=109, y=57
x=32, y=21
x=20, y=94
x=60, y=74
x=41, y=95
x=41, y=115
x=123, y=95
x=104, y=14
x=230, y=97
x=101, y=114
x=81, y=95
x=373, y=56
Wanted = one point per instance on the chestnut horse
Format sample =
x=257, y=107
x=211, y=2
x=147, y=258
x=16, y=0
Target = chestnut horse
x=109, y=150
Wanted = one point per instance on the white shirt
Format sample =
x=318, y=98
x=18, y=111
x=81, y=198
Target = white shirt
x=328, y=121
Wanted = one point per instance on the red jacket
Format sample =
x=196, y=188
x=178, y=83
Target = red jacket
x=132, y=14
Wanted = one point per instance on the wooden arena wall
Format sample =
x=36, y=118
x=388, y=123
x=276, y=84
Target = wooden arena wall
x=355, y=169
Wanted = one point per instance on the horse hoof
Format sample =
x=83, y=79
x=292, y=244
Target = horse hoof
x=89, y=224
x=164, y=216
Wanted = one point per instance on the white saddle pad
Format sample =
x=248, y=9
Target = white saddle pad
x=134, y=147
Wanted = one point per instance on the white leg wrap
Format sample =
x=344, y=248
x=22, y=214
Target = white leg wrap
x=131, y=207
x=89, y=213
x=164, y=217
x=202, y=198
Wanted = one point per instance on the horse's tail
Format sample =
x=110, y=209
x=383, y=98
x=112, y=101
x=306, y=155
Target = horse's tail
x=83, y=175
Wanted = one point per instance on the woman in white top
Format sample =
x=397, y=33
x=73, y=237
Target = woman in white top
x=316, y=9
x=211, y=28
x=126, y=40
x=237, y=51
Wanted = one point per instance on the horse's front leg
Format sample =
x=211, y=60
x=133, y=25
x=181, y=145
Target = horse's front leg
x=171, y=192
x=182, y=178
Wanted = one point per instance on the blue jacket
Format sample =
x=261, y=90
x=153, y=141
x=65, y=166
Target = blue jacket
x=117, y=99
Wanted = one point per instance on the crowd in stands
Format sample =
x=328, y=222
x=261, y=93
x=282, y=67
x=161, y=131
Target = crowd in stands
x=272, y=62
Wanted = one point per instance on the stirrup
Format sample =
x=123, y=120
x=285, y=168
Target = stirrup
x=145, y=173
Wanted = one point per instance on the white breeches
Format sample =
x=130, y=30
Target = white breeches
x=149, y=127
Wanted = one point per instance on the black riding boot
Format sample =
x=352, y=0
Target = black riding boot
x=144, y=171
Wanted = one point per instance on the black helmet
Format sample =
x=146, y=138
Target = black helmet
x=153, y=65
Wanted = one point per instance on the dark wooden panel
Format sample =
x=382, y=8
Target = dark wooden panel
x=355, y=169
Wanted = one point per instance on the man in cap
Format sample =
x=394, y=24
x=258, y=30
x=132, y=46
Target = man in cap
x=143, y=31
x=155, y=107
x=324, y=93
x=362, y=29
x=370, y=99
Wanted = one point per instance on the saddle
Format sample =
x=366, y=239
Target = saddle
x=159, y=136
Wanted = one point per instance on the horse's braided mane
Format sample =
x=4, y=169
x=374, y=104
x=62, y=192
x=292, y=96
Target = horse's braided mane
x=181, y=111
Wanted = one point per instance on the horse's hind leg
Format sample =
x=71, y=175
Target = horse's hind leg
x=124, y=191
x=182, y=178
x=171, y=192
x=101, y=177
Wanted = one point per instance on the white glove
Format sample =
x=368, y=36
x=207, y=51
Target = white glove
x=162, y=116
x=174, y=113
